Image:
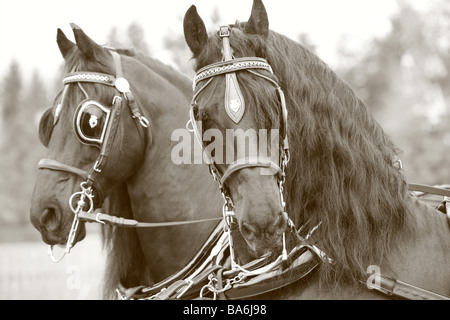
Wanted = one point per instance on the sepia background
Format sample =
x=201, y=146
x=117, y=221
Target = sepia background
x=394, y=54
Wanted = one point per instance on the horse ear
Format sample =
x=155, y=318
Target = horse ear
x=64, y=44
x=194, y=30
x=258, y=23
x=87, y=46
x=46, y=127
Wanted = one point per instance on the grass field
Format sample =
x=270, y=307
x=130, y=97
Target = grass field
x=26, y=271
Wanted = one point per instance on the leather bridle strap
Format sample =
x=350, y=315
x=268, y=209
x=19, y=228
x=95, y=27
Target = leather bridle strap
x=428, y=189
x=109, y=137
x=228, y=66
x=92, y=77
x=250, y=162
x=58, y=166
x=393, y=287
x=445, y=204
x=98, y=216
x=51, y=164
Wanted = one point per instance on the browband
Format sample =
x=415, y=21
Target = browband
x=86, y=76
x=224, y=67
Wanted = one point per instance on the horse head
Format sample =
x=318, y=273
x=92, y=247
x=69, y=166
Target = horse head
x=95, y=135
x=238, y=97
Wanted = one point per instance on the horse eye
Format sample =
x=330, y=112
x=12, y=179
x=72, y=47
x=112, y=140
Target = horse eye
x=204, y=116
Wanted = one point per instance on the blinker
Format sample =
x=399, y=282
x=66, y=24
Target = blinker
x=91, y=122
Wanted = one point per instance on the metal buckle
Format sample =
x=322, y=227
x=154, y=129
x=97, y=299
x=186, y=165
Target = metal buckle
x=98, y=218
x=143, y=121
x=228, y=216
x=224, y=31
x=116, y=100
x=97, y=166
x=398, y=164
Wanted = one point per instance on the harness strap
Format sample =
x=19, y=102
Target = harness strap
x=394, y=287
x=184, y=273
x=429, y=189
x=92, y=77
x=274, y=280
x=237, y=64
x=51, y=164
x=444, y=205
x=98, y=216
x=118, y=64
x=302, y=262
x=180, y=288
x=58, y=166
x=250, y=162
x=107, y=143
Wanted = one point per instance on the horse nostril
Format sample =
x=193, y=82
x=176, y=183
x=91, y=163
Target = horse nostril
x=281, y=224
x=247, y=231
x=49, y=219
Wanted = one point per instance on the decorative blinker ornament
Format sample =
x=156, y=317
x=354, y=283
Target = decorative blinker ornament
x=93, y=121
x=235, y=105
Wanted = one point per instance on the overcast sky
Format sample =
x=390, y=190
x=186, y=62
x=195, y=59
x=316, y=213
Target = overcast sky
x=28, y=27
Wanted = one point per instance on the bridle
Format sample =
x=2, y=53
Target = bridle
x=235, y=107
x=103, y=140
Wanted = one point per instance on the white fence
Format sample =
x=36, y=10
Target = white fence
x=26, y=271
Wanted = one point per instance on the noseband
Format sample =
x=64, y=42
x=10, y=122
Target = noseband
x=104, y=141
x=235, y=107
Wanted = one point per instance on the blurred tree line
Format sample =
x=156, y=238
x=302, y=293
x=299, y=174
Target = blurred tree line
x=403, y=78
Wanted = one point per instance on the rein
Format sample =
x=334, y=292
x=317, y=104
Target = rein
x=98, y=216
